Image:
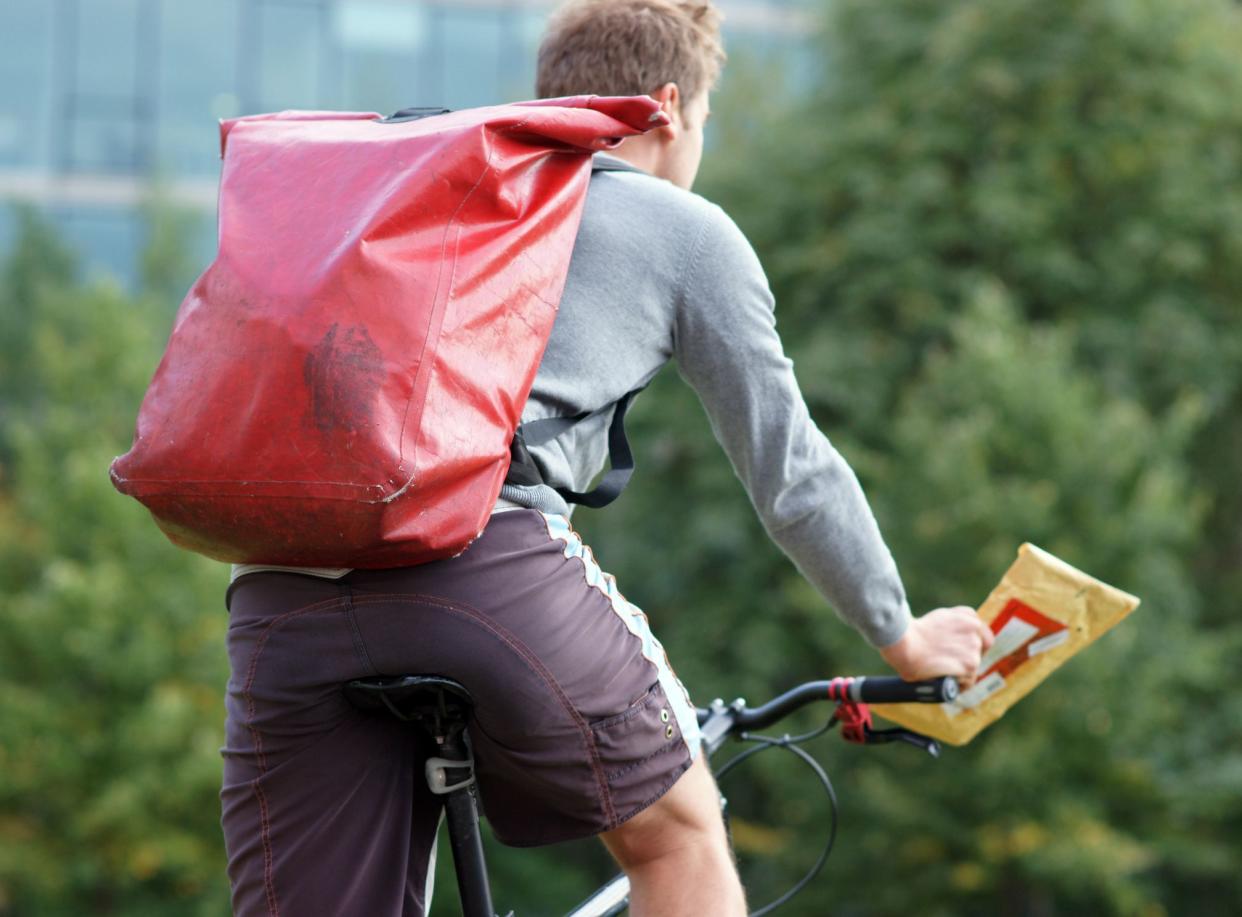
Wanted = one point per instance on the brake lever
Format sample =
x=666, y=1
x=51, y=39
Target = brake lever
x=856, y=726
x=881, y=736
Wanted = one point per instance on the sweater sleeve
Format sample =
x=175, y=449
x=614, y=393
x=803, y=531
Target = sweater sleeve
x=808, y=498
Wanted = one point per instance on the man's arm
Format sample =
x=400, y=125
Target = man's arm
x=807, y=496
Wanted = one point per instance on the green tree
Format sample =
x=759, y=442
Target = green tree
x=111, y=641
x=1080, y=155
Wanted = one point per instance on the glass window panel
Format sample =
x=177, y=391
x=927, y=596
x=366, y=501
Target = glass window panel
x=530, y=25
x=382, y=82
x=26, y=55
x=523, y=28
x=381, y=45
x=470, y=47
x=105, y=138
x=197, y=83
x=109, y=114
x=107, y=38
x=380, y=25
x=289, y=54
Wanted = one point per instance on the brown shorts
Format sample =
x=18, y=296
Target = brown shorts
x=579, y=721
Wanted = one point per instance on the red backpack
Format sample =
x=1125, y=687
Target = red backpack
x=342, y=385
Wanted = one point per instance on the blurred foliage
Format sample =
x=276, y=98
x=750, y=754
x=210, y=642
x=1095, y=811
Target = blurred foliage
x=1006, y=243
x=112, y=668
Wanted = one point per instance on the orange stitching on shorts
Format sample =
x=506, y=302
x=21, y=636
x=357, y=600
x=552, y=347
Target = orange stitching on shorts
x=265, y=825
x=675, y=743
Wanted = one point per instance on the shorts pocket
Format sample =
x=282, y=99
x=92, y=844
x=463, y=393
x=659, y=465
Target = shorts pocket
x=641, y=750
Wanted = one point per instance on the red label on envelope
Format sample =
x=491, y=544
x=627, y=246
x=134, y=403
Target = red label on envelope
x=1021, y=632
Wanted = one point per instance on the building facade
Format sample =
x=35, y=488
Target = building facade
x=103, y=100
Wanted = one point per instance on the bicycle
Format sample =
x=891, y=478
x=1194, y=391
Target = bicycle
x=442, y=707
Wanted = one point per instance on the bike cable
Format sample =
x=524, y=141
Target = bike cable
x=790, y=744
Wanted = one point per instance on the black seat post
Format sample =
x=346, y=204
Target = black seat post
x=442, y=708
x=462, y=814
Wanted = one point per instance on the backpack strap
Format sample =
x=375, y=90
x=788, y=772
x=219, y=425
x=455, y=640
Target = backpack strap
x=522, y=468
x=524, y=472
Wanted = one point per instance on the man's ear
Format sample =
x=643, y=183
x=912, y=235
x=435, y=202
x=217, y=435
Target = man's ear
x=669, y=97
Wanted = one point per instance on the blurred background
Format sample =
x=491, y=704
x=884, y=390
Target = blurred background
x=1005, y=238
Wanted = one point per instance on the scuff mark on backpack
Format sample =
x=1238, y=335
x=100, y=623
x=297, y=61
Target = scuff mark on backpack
x=343, y=375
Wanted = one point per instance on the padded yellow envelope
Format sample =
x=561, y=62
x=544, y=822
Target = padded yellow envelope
x=1042, y=613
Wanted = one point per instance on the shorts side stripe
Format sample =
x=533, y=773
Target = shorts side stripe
x=636, y=622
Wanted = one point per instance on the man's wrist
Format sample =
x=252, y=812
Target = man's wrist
x=892, y=631
x=903, y=654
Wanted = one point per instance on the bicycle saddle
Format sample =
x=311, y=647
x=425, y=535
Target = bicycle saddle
x=430, y=699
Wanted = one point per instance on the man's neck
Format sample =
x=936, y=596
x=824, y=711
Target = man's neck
x=638, y=154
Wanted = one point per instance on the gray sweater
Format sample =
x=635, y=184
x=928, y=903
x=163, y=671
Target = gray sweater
x=660, y=274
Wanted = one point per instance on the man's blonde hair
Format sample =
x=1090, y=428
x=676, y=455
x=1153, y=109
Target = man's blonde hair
x=630, y=47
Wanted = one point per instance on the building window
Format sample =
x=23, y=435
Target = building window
x=469, y=43
x=197, y=84
x=382, y=45
x=106, y=54
x=25, y=84
x=288, y=45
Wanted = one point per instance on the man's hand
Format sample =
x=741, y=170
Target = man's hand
x=947, y=641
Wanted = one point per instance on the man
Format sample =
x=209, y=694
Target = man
x=581, y=726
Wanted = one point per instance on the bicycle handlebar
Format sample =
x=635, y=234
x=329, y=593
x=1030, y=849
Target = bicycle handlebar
x=889, y=689
x=883, y=689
